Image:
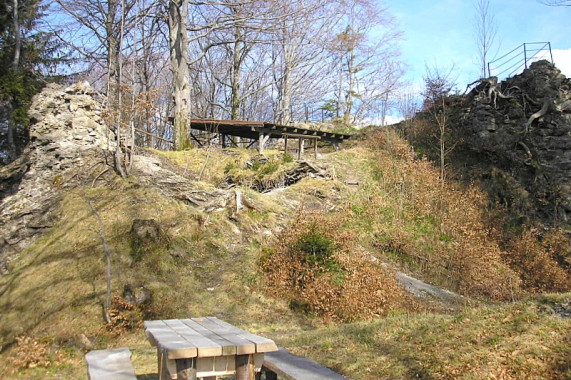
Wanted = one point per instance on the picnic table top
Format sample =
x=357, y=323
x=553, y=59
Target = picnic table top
x=204, y=337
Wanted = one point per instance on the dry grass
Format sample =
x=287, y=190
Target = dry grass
x=56, y=290
x=405, y=215
x=518, y=341
x=210, y=266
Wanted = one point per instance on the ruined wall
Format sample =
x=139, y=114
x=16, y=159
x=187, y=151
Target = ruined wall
x=522, y=129
x=68, y=142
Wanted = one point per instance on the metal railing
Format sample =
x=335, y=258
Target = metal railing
x=519, y=58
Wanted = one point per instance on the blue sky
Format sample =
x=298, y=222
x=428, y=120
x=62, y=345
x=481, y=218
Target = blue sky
x=441, y=33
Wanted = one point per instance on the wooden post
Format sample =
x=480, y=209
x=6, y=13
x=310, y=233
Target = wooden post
x=315, y=148
x=300, y=149
x=285, y=144
x=245, y=367
x=162, y=365
x=261, y=143
x=186, y=369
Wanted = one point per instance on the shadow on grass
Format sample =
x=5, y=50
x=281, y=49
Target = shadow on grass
x=148, y=376
x=37, y=302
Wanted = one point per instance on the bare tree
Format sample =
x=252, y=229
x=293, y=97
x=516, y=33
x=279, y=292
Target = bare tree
x=486, y=28
x=300, y=54
x=179, y=43
x=408, y=107
x=556, y=3
x=357, y=55
x=438, y=87
x=105, y=25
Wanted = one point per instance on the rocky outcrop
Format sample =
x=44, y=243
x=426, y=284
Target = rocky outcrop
x=68, y=145
x=522, y=127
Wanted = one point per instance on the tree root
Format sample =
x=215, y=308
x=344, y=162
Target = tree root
x=538, y=114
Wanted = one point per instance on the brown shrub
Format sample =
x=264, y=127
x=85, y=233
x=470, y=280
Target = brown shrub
x=124, y=316
x=540, y=260
x=30, y=353
x=317, y=268
x=442, y=229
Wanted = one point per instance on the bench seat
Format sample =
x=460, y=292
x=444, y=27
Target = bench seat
x=293, y=367
x=110, y=364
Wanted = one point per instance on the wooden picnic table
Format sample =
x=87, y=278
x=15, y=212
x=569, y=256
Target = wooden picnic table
x=206, y=348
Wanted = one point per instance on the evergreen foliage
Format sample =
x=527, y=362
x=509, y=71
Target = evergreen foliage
x=27, y=55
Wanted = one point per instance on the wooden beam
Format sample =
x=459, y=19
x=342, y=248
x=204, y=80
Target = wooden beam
x=299, y=135
x=155, y=136
x=197, y=140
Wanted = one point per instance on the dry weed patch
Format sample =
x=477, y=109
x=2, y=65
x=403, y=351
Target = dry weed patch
x=517, y=341
x=541, y=260
x=319, y=269
x=436, y=229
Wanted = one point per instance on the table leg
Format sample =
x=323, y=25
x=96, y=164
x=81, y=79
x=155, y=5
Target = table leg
x=245, y=367
x=163, y=371
x=186, y=369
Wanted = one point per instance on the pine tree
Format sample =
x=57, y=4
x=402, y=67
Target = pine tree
x=25, y=54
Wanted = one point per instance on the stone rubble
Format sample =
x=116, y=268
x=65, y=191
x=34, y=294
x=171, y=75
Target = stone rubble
x=524, y=131
x=68, y=141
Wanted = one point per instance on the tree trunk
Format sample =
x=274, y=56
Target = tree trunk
x=112, y=55
x=284, y=102
x=178, y=40
x=350, y=89
x=18, y=47
x=235, y=80
x=11, y=132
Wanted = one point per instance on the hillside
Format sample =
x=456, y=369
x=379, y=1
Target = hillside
x=222, y=232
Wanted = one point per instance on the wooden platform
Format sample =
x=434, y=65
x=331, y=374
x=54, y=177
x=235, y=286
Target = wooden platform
x=260, y=132
x=252, y=129
x=292, y=367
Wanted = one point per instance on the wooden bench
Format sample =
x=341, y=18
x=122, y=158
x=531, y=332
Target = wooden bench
x=110, y=364
x=292, y=367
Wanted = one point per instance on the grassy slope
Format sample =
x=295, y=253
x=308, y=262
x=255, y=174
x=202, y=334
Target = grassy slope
x=55, y=291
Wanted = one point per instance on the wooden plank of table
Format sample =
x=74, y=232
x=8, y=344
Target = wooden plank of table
x=206, y=347
x=228, y=348
x=262, y=344
x=243, y=345
x=166, y=339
